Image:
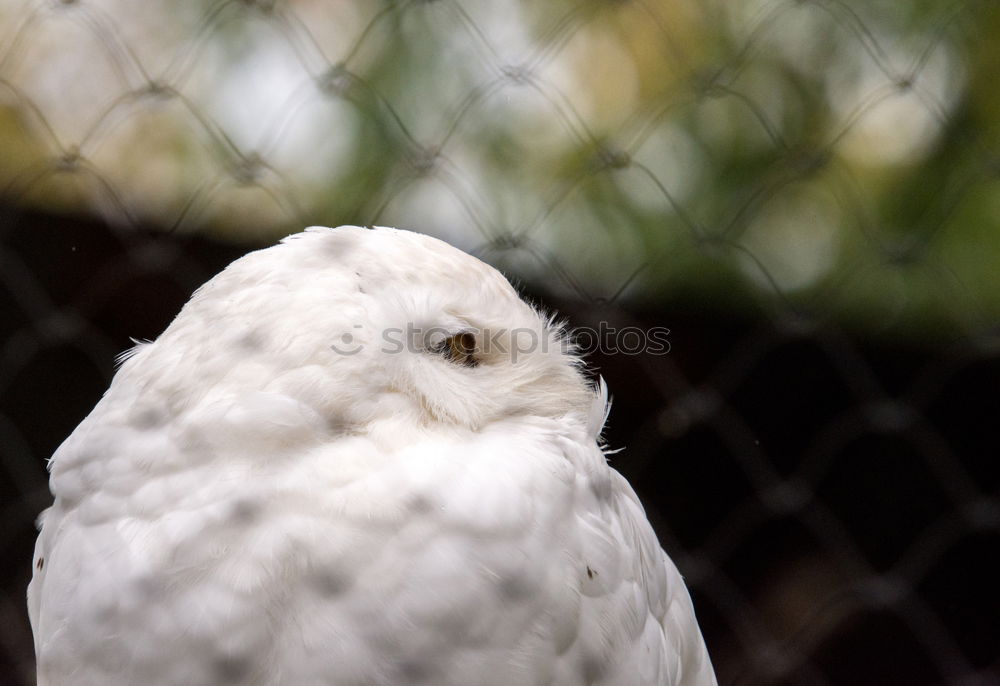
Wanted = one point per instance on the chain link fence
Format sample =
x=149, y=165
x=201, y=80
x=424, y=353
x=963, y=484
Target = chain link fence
x=803, y=191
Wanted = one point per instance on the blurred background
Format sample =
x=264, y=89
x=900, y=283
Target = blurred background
x=805, y=192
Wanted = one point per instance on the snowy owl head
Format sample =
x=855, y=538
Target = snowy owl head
x=361, y=327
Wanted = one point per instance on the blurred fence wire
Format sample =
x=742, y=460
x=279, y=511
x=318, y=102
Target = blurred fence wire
x=804, y=191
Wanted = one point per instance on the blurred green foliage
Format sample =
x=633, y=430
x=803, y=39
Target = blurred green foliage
x=819, y=158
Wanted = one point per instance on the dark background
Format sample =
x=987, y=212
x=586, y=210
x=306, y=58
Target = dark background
x=831, y=501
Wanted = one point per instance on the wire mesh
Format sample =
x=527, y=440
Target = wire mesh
x=801, y=190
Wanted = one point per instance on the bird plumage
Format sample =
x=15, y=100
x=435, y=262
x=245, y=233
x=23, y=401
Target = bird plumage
x=292, y=485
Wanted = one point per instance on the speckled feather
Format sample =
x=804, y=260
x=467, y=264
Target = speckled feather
x=247, y=505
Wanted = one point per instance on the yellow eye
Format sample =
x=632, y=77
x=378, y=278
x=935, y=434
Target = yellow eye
x=460, y=348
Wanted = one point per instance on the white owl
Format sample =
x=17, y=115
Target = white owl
x=345, y=463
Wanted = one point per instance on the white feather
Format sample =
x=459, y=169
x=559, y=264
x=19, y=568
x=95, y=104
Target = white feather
x=247, y=505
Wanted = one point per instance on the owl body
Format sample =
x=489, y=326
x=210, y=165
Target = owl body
x=260, y=499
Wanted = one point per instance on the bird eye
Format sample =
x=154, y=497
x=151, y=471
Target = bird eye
x=459, y=348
